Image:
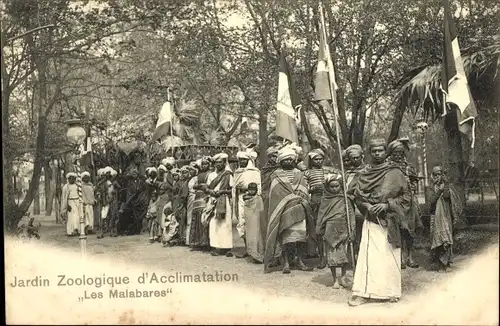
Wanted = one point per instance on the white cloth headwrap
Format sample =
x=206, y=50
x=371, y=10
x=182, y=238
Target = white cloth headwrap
x=100, y=172
x=285, y=153
x=70, y=174
x=169, y=160
x=243, y=154
x=222, y=156
x=113, y=172
x=162, y=167
x=85, y=174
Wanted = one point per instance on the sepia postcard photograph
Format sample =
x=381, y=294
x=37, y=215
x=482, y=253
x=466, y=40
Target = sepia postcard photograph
x=326, y=162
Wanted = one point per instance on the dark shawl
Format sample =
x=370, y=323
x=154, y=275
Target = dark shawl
x=384, y=183
x=332, y=218
x=223, y=178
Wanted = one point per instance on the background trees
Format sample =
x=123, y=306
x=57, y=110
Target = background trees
x=114, y=60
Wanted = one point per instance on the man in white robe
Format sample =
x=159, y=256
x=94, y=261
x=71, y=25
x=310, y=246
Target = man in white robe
x=71, y=205
x=382, y=195
x=246, y=173
x=219, y=210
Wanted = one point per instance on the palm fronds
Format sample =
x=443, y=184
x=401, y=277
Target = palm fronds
x=187, y=112
x=422, y=91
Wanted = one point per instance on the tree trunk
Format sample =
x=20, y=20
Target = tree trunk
x=49, y=193
x=36, y=199
x=263, y=139
x=396, y=123
x=58, y=190
x=455, y=154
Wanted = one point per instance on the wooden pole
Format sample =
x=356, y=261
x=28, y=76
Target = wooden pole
x=331, y=75
x=81, y=212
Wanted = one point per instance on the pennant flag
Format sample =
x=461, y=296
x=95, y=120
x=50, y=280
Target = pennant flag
x=288, y=105
x=324, y=81
x=164, y=124
x=454, y=80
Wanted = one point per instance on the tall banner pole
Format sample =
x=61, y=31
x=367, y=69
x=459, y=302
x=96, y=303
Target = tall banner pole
x=331, y=75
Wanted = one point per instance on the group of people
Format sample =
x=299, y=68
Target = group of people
x=366, y=219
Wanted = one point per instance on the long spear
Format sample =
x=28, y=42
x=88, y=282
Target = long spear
x=331, y=75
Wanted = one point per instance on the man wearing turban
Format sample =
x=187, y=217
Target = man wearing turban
x=382, y=195
x=88, y=202
x=396, y=150
x=133, y=211
x=354, y=156
x=71, y=206
x=289, y=209
x=315, y=176
x=199, y=232
x=179, y=202
x=246, y=174
x=108, y=196
x=218, y=212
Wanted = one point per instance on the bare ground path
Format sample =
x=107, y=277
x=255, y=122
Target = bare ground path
x=314, y=285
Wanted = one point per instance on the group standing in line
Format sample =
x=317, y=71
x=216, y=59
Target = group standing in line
x=284, y=214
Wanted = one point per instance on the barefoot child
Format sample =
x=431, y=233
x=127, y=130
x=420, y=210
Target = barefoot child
x=332, y=227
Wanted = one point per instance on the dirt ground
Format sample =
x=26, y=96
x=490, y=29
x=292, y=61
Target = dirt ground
x=313, y=285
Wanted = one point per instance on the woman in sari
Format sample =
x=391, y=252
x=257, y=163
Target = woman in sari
x=446, y=214
x=218, y=212
x=332, y=227
x=193, y=173
x=198, y=234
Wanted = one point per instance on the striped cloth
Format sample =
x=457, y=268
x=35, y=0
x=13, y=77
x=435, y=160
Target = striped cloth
x=315, y=177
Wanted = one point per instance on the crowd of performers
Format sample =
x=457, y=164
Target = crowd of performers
x=285, y=213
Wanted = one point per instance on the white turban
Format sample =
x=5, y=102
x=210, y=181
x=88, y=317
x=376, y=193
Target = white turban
x=85, y=174
x=70, y=174
x=113, y=172
x=286, y=153
x=243, y=154
x=220, y=156
x=169, y=160
x=150, y=169
x=198, y=162
x=316, y=152
x=162, y=167
x=100, y=172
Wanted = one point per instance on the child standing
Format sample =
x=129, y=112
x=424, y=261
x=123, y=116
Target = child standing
x=332, y=228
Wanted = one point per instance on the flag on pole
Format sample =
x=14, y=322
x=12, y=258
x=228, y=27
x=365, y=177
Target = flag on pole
x=454, y=80
x=287, y=114
x=322, y=79
x=164, y=123
x=324, y=82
